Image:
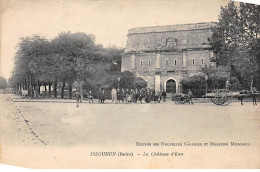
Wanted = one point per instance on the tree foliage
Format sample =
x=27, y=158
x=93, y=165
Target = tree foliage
x=235, y=41
x=68, y=58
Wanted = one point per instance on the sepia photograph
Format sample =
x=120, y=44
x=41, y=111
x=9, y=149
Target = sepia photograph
x=130, y=84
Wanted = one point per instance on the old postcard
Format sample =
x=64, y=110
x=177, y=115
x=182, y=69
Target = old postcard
x=129, y=84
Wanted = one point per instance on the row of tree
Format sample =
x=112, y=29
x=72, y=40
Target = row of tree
x=63, y=62
x=236, y=42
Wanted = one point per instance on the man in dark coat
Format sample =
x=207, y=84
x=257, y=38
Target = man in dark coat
x=164, y=95
x=102, y=96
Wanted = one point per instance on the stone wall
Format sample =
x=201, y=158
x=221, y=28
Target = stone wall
x=182, y=47
x=151, y=38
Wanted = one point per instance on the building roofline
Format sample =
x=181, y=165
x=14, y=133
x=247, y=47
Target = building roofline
x=170, y=28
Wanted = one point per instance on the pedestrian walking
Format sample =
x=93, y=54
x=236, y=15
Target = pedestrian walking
x=77, y=97
x=164, y=95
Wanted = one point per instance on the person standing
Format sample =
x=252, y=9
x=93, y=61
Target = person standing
x=122, y=94
x=102, y=96
x=158, y=96
x=190, y=95
x=254, y=92
x=140, y=95
x=164, y=95
x=114, y=95
x=77, y=97
x=132, y=95
x=228, y=84
x=90, y=97
x=118, y=95
x=136, y=94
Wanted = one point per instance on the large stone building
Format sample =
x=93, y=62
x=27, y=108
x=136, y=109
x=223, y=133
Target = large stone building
x=163, y=55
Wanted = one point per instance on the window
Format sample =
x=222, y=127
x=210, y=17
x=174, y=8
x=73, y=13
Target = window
x=141, y=63
x=166, y=62
x=193, y=61
x=175, y=62
x=149, y=63
x=202, y=61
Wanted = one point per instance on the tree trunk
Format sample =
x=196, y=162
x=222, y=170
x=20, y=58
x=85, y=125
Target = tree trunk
x=70, y=90
x=45, y=89
x=252, y=83
x=62, y=90
x=37, y=89
x=55, y=89
x=21, y=87
x=32, y=86
x=49, y=89
x=26, y=81
x=24, y=85
x=81, y=90
x=17, y=88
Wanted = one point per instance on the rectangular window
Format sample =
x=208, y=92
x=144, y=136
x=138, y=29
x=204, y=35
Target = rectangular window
x=202, y=61
x=166, y=62
x=149, y=63
x=141, y=63
x=175, y=62
x=193, y=61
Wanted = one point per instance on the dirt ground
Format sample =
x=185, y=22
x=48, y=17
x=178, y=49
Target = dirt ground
x=59, y=135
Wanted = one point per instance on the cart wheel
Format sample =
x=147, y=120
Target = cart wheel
x=228, y=99
x=223, y=97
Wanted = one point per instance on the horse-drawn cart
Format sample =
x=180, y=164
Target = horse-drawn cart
x=224, y=96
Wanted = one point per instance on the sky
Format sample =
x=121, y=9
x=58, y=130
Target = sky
x=108, y=20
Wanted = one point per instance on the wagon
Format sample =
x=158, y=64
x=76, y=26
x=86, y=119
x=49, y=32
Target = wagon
x=224, y=96
x=180, y=98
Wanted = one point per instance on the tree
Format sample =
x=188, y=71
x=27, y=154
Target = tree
x=235, y=41
x=3, y=83
x=70, y=59
x=226, y=34
x=78, y=56
x=216, y=79
x=27, y=71
x=113, y=55
x=250, y=23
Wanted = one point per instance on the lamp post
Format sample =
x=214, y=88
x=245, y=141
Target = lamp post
x=118, y=86
x=206, y=78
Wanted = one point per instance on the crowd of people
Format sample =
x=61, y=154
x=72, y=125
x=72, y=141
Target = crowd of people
x=133, y=96
x=148, y=95
x=144, y=95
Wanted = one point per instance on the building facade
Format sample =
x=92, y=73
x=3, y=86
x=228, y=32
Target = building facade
x=163, y=55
